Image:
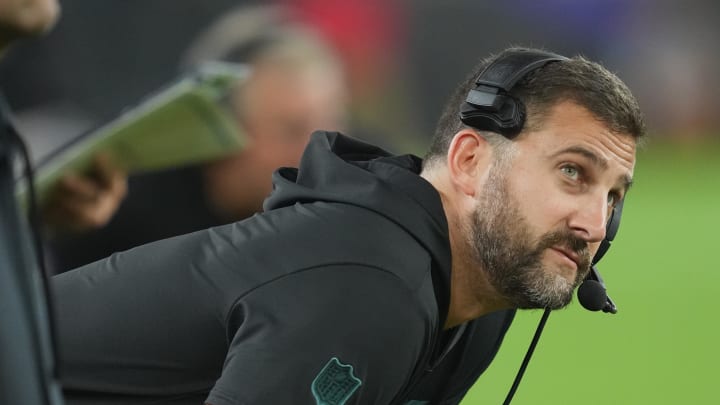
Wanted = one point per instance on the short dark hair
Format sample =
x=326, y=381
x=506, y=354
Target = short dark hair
x=579, y=80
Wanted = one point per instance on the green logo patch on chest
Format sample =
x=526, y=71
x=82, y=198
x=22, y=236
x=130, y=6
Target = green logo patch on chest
x=335, y=383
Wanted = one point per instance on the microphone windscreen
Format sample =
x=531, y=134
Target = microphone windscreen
x=592, y=295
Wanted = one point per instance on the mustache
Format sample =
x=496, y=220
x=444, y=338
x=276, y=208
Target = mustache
x=567, y=239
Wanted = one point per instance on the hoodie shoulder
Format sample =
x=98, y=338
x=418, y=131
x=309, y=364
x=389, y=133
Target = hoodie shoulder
x=339, y=169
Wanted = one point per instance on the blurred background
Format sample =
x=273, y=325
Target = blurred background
x=402, y=59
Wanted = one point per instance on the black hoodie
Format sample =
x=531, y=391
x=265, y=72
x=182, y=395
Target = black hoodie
x=336, y=294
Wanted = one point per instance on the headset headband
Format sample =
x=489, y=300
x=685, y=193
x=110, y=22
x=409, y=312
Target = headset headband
x=489, y=105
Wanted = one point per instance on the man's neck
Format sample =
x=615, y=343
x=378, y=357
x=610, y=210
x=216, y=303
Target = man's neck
x=472, y=295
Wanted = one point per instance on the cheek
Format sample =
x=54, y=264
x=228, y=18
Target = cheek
x=537, y=204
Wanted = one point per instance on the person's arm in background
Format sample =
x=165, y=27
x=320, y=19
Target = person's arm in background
x=84, y=202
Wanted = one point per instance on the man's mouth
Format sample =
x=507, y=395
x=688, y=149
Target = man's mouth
x=570, y=254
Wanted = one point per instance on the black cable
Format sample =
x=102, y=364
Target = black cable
x=528, y=355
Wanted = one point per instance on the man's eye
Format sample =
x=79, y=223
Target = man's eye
x=571, y=171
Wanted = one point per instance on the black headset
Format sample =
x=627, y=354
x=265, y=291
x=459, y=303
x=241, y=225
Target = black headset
x=489, y=106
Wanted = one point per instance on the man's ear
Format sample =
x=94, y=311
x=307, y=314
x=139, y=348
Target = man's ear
x=469, y=156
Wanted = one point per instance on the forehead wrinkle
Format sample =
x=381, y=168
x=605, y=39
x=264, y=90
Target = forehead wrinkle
x=624, y=150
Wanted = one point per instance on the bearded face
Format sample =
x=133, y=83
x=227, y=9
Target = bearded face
x=503, y=243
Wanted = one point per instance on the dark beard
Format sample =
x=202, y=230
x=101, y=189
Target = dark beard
x=501, y=240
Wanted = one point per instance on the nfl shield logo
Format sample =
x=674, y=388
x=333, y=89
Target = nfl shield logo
x=335, y=383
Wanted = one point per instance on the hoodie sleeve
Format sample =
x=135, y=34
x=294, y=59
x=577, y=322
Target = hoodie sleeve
x=312, y=338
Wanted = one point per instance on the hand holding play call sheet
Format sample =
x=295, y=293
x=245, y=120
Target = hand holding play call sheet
x=188, y=121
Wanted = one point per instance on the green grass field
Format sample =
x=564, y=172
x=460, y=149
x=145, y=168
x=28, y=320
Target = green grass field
x=663, y=346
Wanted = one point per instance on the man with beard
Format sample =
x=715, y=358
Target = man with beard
x=370, y=278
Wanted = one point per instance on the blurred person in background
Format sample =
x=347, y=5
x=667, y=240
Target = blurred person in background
x=371, y=37
x=296, y=86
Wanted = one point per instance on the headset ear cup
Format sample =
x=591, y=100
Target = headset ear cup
x=508, y=120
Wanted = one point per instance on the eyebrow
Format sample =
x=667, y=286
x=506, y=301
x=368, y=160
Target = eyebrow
x=597, y=160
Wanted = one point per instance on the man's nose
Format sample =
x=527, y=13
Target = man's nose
x=590, y=220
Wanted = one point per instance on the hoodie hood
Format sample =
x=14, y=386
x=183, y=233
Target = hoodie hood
x=337, y=168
